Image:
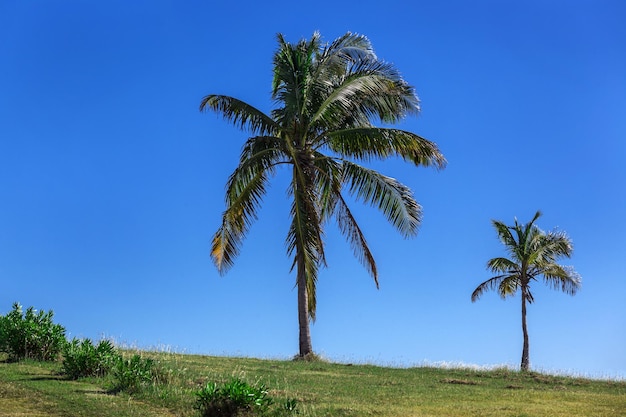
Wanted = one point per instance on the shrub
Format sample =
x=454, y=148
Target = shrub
x=232, y=399
x=81, y=358
x=30, y=336
x=131, y=375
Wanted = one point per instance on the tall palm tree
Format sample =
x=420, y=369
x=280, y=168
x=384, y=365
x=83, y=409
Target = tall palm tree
x=326, y=96
x=533, y=253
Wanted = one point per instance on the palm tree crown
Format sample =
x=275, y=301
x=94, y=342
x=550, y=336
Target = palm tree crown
x=327, y=97
x=533, y=253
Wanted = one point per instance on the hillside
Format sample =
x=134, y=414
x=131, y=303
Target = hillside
x=321, y=389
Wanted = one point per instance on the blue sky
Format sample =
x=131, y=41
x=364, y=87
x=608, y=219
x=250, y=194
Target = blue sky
x=112, y=182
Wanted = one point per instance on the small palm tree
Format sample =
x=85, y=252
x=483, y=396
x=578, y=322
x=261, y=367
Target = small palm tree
x=326, y=99
x=533, y=253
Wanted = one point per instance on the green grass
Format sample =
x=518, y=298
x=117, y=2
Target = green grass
x=322, y=389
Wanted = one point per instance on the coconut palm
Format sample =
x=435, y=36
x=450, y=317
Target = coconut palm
x=533, y=253
x=327, y=97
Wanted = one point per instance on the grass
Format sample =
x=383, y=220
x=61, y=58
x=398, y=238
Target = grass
x=322, y=389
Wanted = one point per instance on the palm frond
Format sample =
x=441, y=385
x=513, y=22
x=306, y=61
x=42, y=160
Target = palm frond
x=394, y=199
x=292, y=67
x=306, y=231
x=348, y=47
x=308, y=255
x=332, y=64
x=245, y=189
x=528, y=237
x=506, y=237
x=503, y=265
x=263, y=153
x=509, y=285
x=564, y=278
x=491, y=284
x=553, y=246
x=259, y=157
x=351, y=230
x=225, y=247
x=379, y=143
x=236, y=220
x=329, y=179
x=392, y=104
x=240, y=114
x=304, y=238
x=328, y=183
x=311, y=288
x=364, y=96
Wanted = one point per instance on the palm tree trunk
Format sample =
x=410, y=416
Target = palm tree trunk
x=303, y=313
x=525, y=352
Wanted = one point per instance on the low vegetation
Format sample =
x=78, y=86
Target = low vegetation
x=30, y=334
x=81, y=358
x=311, y=388
x=87, y=379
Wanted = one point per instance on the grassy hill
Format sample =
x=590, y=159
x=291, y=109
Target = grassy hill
x=322, y=389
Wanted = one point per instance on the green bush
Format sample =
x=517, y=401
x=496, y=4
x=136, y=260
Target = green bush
x=30, y=336
x=234, y=398
x=131, y=375
x=81, y=358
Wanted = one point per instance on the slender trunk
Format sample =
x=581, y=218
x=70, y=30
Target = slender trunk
x=303, y=312
x=525, y=353
x=305, y=194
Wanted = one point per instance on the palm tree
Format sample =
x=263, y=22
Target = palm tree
x=533, y=253
x=326, y=97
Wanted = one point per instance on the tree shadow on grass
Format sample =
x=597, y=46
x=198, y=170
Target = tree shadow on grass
x=45, y=378
x=39, y=378
x=95, y=392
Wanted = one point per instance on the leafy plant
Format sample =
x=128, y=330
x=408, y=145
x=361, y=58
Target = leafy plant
x=32, y=335
x=81, y=358
x=290, y=404
x=132, y=374
x=234, y=398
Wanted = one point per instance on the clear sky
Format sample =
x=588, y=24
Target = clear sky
x=112, y=182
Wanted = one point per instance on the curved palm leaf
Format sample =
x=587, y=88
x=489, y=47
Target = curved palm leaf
x=244, y=191
x=393, y=199
x=351, y=230
x=380, y=143
x=506, y=237
x=240, y=113
x=362, y=96
x=564, y=278
x=304, y=239
x=502, y=265
x=236, y=220
x=490, y=284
